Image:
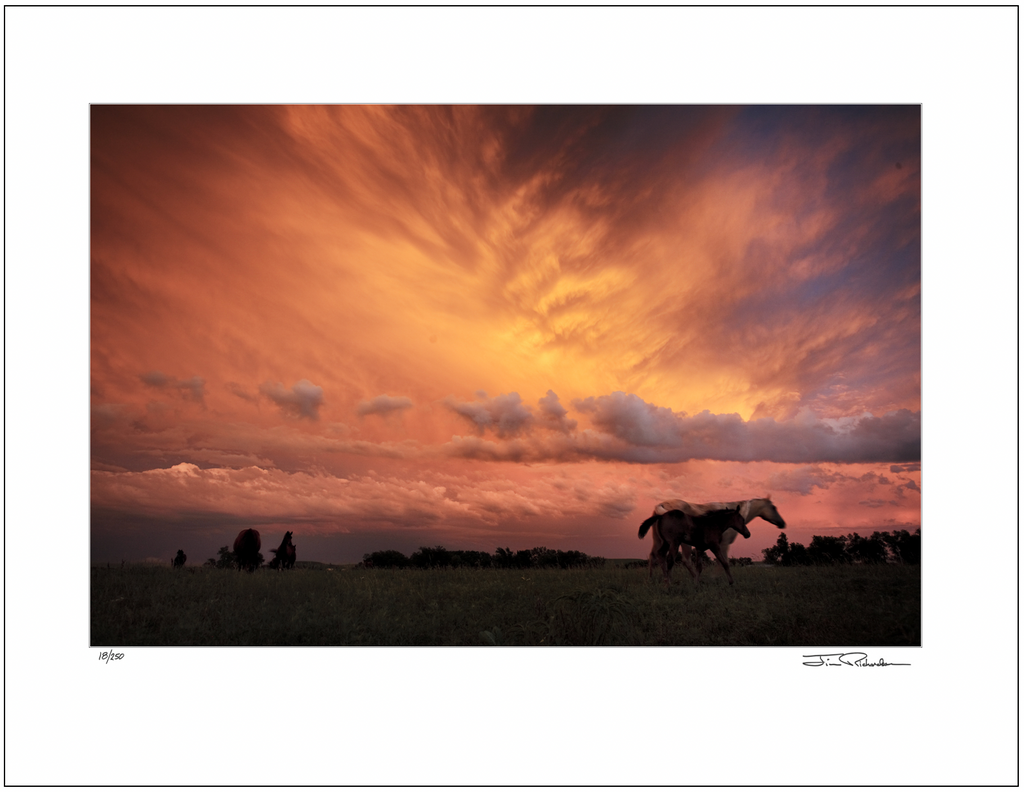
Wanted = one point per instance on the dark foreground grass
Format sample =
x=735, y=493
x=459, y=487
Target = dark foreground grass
x=140, y=605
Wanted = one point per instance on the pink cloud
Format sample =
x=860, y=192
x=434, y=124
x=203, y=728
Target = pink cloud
x=384, y=405
x=303, y=400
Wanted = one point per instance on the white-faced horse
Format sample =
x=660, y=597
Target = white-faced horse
x=749, y=509
x=701, y=532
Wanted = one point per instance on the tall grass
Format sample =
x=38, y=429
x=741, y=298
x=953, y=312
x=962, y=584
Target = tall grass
x=142, y=605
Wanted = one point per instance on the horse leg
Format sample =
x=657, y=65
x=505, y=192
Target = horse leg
x=728, y=539
x=723, y=559
x=666, y=561
x=685, y=556
x=658, y=547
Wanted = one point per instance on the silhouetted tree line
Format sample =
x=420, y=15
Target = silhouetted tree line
x=503, y=558
x=899, y=547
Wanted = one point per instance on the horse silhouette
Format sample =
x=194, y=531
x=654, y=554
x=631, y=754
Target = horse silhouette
x=247, y=549
x=699, y=532
x=749, y=509
x=284, y=554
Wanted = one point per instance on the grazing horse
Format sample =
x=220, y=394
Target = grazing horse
x=179, y=560
x=247, y=549
x=701, y=532
x=284, y=554
x=749, y=509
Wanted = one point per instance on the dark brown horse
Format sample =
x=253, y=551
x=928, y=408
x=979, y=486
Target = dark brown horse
x=179, y=560
x=284, y=555
x=701, y=532
x=247, y=549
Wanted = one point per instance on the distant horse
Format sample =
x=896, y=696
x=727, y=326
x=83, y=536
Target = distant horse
x=749, y=509
x=247, y=549
x=178, y=560
x=284, y=555
x=702, y=532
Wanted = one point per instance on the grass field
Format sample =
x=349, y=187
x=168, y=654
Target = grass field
x=141, y=605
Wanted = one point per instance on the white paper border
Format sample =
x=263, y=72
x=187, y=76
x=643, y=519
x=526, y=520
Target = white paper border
x=472, y=716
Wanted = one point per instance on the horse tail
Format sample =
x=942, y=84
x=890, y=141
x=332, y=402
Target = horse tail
x=645, y=526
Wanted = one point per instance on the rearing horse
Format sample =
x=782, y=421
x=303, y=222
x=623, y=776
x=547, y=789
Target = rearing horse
x=749, y=509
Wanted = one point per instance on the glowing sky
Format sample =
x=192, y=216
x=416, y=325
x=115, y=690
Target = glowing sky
x=386, y=327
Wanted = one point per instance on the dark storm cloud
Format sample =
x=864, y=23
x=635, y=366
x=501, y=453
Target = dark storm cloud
x=910, y=484
x=505, y=415
x=657, y=433
x=384, y=405
x=303, y=400
x=191, y=388
x=553, y=415
x=629, y=418
x=626, y=428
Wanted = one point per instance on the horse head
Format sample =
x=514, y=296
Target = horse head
x=738, y=524
x=766, y=511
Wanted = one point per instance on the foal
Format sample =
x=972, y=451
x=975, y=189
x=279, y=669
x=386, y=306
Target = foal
x=701, y=532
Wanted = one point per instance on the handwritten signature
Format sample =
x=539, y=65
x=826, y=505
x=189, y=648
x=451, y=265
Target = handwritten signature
x=846, y=658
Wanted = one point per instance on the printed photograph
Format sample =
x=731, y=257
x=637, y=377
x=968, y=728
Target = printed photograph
x=487, y=375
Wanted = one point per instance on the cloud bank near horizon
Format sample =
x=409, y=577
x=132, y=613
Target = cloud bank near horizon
x=622, y=427
x=485, y=498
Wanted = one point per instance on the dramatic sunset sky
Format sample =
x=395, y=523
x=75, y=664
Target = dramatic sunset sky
x=387, y=327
